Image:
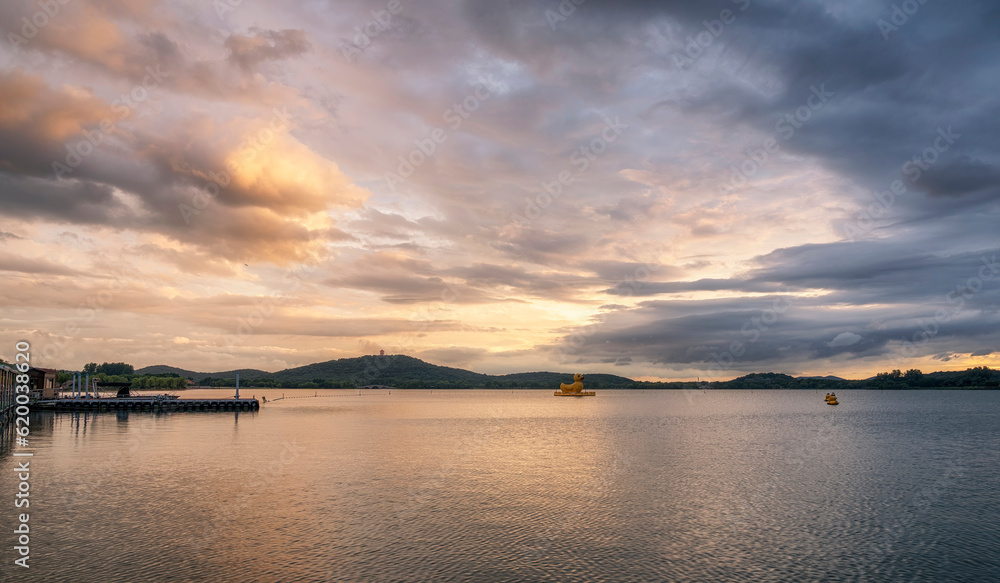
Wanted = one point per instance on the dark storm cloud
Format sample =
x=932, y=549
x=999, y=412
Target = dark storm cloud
x=872, y=297
x=963, y=176
x=885, y=102
x=889, y=97
x=924, y=301
x=859, y=272
x=773, y=331
x=877, y=273
x=891, y=100
x=65, y=201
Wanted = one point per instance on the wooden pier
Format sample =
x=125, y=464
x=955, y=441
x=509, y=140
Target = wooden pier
x=145, y=404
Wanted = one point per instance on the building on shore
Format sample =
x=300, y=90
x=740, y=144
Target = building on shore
x=43, y=382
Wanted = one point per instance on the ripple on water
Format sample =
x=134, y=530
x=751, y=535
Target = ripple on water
x=490, y=486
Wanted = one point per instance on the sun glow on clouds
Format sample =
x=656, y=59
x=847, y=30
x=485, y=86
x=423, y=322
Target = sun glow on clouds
x=284, y=175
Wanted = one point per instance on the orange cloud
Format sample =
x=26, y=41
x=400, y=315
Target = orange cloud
x=274, y=170
x=29, y=107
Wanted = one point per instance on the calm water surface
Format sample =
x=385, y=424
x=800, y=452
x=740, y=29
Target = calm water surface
x=518, y=486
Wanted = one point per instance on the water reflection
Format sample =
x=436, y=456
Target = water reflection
x=500, y=486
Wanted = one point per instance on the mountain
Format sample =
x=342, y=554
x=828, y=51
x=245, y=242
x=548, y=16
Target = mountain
x=161, y=369
x=403, y=371
x=396, y=370
x=553, y=379
x=388, y=369
x=406, y=372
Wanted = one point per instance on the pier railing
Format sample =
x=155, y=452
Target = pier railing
x=145, y=404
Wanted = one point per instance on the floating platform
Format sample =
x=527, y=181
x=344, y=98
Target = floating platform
x=580, y=394
x=145, y=404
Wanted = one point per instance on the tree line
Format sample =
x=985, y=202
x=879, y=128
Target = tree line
x=410, y=373
x=109, y=368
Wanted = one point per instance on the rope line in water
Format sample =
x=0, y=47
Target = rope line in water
x=324, y=396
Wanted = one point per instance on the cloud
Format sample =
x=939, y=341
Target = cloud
x=35, y=265
x=844, y=339
x=265, y=165
x=247, y=51
x=963, y=176
x=275, y=193
x=456, y=356
x=35, y=120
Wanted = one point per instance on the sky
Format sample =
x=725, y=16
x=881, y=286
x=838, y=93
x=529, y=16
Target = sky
x=658, y=190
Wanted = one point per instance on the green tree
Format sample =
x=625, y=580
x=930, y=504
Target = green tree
x=914, y=378
x=115, y=368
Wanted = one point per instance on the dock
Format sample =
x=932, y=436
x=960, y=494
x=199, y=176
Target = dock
x=145, y=404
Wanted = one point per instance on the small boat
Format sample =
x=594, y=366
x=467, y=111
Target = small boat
x=580, y=394
x=831, y=399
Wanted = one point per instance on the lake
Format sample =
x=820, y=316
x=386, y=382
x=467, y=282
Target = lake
x=491, y=486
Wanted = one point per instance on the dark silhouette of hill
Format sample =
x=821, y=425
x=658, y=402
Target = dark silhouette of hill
x=552, y=379
x=161, y=369
x=406, y=372
x=396, y=370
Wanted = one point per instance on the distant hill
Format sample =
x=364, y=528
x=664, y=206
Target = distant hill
x=553, y=379
x=391, y=369
x=979, y=377
x=403, y=371
x=396, y=370
x=160, y=369
x=406, y=372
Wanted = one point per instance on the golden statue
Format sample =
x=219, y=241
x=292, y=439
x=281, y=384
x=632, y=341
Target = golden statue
x=575, y=389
